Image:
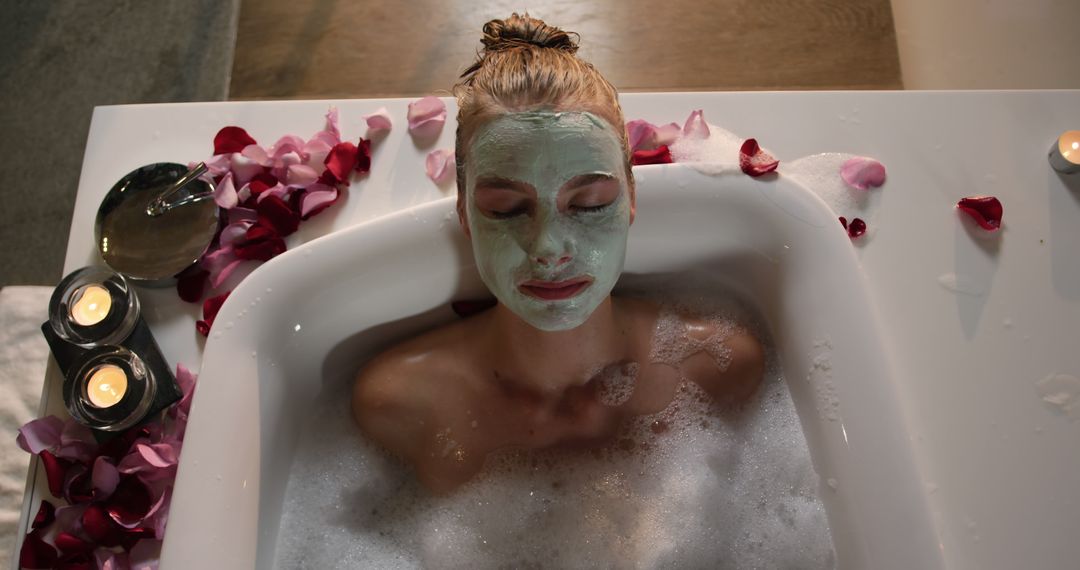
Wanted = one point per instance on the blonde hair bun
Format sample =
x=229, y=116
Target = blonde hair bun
x=522, y=31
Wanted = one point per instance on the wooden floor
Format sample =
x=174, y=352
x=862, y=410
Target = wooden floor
x=341, y=48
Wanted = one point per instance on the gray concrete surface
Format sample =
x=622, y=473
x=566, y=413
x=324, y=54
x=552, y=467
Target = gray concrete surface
x=61, y=58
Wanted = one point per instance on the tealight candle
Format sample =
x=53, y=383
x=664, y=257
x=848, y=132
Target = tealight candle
x=106, y=386
x=1065, y=153
x=91, y=304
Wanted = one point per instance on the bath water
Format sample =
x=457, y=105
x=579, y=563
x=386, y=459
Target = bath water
x=694, y=486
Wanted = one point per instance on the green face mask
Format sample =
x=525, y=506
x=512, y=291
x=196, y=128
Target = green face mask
x=548, y=209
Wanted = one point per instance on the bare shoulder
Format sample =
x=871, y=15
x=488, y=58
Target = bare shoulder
x=398, y=394
x=731, y=364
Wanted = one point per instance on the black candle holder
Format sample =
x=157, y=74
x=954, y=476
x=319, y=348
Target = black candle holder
x=115, y=376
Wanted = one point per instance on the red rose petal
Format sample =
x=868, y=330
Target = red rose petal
x=843, y=222
x=857, y=228
x=99, y=527
x=754, y=161
x=231, y=139
x=341, y=160
x=191, y=283
x=132, y=536
x=70, y=544
x=985, y=210
x=363, y=156
x=275, y=214
x=45, y=516
x=471, y=307
x=36, y=553
x=211, y=307
x=658, y=155
x=79, y=561
x=78, y=484
x=54, y=472
x=260, y=243
x=130, y=502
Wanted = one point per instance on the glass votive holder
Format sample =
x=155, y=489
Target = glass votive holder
x=1064, y=154
x=109, y=388
x=93, y=306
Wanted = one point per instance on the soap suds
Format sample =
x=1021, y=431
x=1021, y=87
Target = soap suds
x=1061, y=393
x=695, y=485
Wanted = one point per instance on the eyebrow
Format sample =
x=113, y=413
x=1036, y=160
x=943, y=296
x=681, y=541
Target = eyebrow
x=498, y=182
x=586, y=179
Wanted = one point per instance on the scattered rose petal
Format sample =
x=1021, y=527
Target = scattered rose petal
x=220, y=264
x=38, y=435
x=234, y=231
x=862, y=173
x=341, y=161
x=104, y=477
x=290, y=146
x=45, y=515
x=191, y=283
x=659, y=155
x=985, y=210
x=856, y=228
x=71, y=544
x=644, y=135
x=231, y=139
x=152, y=461
x=144, y=554
x=36, y=553
x=243, y=169
x=281, y=191
x=274, y=213
x=363, y=156
x=108, y=560
x=210, y=310
x=695, y=126
x=301, y=176
x=54, y=472
x=316, y=151
x=225, y=192
x=257, y=154
x=130, y=503
x=754, y=161
x=471, y=307
x=426, y=117
x=186, y=380
x=261, y=243
x=216, y=166
x=378, y=122
x=78, y=487
x=440, y=165
x=76, y=442
x=331, y=134
x=243, y=215
x=317, y=198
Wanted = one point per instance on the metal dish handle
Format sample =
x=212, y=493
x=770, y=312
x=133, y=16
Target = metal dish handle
x=161, y=204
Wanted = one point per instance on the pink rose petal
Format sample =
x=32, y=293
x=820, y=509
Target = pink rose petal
x=378, y=122
x=985, y=210
x=38, y=435
x=426, y=117
x=317, y=198
x=225, y=192
x=144, y=555
x=440, y=166
x=108, y=560
x=279, y=191
x=331, y=133
x=220, y=263
x=301, y=176
x=243, y=168
x=286, y=145
x=76, y=442
x=754, y=161
x=695, y=126
x=242, y=215
x=186, y=379
x=105, y=477
x=862, y=173
x=644, y=135
x=257, y=154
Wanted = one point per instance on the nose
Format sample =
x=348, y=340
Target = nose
x=550, y=249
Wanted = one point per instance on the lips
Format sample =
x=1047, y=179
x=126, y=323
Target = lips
x=555, y=290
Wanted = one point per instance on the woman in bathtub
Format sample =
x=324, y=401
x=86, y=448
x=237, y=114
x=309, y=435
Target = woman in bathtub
x=546, y=197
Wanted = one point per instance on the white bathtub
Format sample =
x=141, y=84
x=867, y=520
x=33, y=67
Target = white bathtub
x=310, y=317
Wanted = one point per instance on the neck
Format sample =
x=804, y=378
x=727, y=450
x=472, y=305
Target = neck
x=550, y=362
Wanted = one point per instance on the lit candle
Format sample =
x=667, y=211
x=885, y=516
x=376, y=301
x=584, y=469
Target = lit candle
x=1065, y=153
x=106, y=386
x=91, y=306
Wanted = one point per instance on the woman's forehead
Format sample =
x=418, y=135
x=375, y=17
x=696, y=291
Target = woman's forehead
x=539, y=143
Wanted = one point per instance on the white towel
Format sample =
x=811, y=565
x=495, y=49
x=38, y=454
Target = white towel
x=23, y=355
